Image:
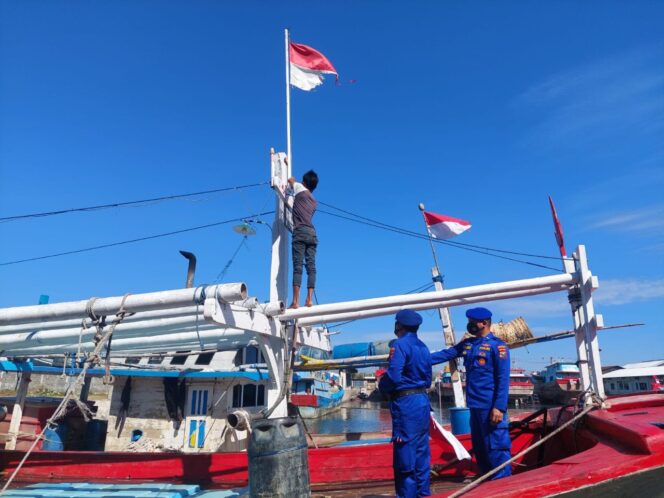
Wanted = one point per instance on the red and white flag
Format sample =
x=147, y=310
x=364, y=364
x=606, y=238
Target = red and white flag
x=445, y=227
x=307, y=67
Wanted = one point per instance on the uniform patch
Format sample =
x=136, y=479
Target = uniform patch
x=485, y=347
x=481, y=361
x=502, y=351
x=392, y=350
x=468, y=346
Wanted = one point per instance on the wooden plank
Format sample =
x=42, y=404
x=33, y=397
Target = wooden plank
x=17, y=412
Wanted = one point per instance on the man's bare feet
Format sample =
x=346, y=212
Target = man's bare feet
x=308, y=304
x=294, y=306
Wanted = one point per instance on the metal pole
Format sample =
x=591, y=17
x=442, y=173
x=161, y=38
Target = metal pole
x=288, y=106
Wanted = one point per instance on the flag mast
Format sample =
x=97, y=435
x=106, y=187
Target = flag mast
x=446, y=320
x=288, y=106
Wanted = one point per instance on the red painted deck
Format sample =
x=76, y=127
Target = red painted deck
x=621, y=441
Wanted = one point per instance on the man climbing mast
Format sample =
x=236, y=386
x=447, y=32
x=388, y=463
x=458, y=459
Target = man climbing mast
x=305, y=241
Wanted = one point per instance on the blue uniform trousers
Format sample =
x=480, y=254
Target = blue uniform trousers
x=412, y=456
x=491, y=443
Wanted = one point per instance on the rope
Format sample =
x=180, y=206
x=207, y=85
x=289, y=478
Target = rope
x=119, y=316
x=486, y=476
x=69, y=394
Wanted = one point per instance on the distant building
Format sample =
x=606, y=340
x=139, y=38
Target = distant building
x=646, y=376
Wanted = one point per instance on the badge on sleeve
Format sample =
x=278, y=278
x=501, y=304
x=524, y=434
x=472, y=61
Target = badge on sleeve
x=502, y=352
x=392, y=350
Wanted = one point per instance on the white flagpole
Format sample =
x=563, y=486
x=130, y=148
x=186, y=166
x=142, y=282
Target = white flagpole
x=288, y=114
x=446, y=320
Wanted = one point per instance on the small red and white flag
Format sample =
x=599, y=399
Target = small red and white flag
x=445, y=227
x=307, y=67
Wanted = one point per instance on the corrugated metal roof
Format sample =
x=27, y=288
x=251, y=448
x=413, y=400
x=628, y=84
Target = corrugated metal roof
x=634, y=372
x=645, y=364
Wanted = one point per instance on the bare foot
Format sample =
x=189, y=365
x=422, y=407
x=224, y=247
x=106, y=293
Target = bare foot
x=294, y=306
x=308, y=304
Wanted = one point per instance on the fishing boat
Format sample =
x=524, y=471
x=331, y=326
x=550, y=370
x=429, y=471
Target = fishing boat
x=316, y=393
x=188, y=421
x=558, y=383
x=521, y=386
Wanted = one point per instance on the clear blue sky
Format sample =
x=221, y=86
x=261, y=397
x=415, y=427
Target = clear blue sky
x=477, y=109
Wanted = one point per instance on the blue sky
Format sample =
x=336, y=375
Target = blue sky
x=477, y=109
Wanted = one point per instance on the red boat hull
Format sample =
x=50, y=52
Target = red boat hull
x=612, y=447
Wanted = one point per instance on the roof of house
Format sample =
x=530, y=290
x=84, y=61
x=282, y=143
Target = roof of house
x=645, y=364
x=634, y=372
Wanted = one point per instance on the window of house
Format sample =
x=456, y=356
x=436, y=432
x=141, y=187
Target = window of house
x=132, y=360
x=642, y=386
x=204, y=358
x=155, y=360
x=248, y=395
x=181, y=359
x=613, y=386
x=248, y=356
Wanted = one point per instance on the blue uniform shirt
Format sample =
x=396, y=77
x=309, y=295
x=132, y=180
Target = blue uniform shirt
x=410, y=365
x=487, y=362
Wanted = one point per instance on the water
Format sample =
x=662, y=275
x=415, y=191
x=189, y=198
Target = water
x=373, y=416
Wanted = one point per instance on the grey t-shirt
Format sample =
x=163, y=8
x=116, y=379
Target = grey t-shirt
x=304, y=206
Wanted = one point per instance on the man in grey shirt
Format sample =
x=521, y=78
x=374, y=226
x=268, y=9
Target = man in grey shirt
x=304, y=235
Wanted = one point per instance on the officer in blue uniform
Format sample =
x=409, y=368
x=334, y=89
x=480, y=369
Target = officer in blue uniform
x=405, y=383
x=487, y=362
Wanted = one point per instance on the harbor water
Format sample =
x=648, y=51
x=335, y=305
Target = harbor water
x=374, y=416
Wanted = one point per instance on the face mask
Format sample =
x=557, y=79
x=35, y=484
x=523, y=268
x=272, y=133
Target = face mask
x=472, y=328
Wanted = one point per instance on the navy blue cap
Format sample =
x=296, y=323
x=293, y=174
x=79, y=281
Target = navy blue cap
x=409, y=318
x=478, y=314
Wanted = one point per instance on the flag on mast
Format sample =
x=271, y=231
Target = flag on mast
x=560, y=240
x=307, y=67
x=445, y=227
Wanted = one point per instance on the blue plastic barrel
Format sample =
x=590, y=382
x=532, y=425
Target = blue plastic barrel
x=54, y=439
x=460, y=420
x=95, y=435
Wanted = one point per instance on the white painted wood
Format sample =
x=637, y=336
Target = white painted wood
x=280, y=242
x=133, y=303
x=450, y=340
x=187, y=338
x=579, y=337
x=76, y=322
x=17, y=412
x=553, y=282
x=274, y=350
x=587, y=285
x=356, y=315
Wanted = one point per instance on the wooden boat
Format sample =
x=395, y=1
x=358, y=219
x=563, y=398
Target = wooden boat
x=521, y=387
x=316, y=393
x=617, y=447
x=558, y=383
x=617, y=451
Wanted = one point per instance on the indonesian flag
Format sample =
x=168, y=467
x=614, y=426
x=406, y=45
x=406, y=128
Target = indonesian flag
x=307, y=67
x=445, y=227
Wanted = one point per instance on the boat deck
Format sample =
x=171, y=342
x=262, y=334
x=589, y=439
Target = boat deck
x=386, y=488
